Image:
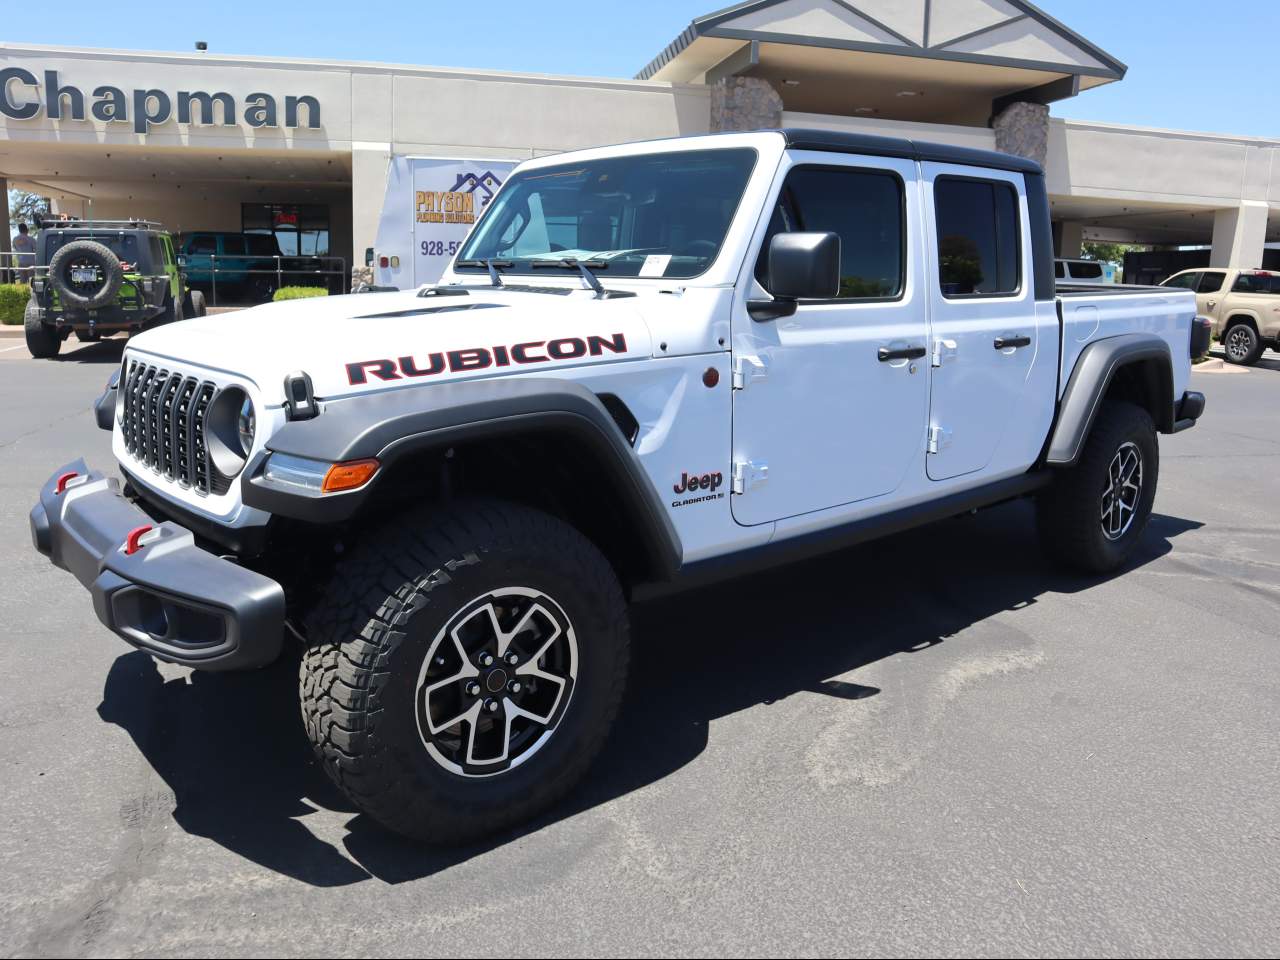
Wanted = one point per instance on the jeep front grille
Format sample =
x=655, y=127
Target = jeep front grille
x=164, y=425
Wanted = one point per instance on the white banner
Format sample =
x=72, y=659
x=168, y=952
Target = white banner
x=448, y=197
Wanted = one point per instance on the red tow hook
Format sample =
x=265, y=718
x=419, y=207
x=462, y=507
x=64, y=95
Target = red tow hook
x=131, y=544
x=63, y=480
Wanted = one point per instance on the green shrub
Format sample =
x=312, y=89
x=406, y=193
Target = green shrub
x=299, y=293
x=13, y=302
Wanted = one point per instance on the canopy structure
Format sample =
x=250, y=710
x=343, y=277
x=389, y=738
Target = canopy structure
x=933, y=61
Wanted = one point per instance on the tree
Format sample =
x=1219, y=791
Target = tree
x=23, y=207
x=1108, y=252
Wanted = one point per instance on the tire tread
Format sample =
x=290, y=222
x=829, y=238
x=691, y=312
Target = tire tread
x=355, y=629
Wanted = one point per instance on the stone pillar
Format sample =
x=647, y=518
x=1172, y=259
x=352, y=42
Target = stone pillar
x=1023, y=129
x=1068, y=239
x=744, y=103
x=6, y=231
x=368, y=184
x=1239, y=234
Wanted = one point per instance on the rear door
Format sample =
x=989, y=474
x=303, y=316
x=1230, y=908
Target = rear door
x=1210, y=293
x=985, y=331
x=833, y=401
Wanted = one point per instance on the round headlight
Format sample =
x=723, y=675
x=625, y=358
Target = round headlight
x=229, y=427
x=246, y=425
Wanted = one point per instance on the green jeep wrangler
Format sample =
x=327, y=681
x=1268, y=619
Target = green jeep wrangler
x=101, y=277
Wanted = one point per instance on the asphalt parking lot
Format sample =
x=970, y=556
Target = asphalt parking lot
x=934, y=744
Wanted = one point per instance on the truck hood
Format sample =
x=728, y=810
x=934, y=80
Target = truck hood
x=373, y=341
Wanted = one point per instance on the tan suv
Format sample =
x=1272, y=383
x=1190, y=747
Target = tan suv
x=1244, y=306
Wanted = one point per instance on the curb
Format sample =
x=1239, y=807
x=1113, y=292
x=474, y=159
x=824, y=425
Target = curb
x=1218, y=365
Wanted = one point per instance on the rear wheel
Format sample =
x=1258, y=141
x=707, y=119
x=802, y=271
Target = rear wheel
x=172, y=312
x=193, y=304
x=1093, y=516
x=464, y=668
x=1242, y=344
x=42, y=340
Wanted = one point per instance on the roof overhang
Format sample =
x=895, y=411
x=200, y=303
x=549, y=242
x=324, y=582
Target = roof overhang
x=982, y=52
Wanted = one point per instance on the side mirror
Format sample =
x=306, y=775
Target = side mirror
x=802, y=266
x=182, y=261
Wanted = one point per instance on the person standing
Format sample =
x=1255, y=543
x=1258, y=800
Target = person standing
x=24, y=254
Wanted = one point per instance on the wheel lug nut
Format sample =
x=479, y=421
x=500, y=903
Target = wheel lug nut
x=485, y=659
x=515, y=686
x=491, y=705
x=512, y=659
x=472, y=688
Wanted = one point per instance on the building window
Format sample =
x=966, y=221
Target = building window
x=977, y=223
x=300, y=229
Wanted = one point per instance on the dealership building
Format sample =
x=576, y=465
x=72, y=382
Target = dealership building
x=301, y=148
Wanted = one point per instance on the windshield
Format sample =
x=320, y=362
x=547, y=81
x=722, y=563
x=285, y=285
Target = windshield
x=651, y=215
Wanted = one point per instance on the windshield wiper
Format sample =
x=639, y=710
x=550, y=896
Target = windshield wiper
x=493, y=266
x=571, y=263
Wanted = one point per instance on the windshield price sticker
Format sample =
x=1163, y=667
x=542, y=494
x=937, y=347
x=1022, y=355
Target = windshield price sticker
x=655, y=265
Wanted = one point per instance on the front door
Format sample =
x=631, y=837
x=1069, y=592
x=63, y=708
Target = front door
x=984, y=316
x=832, y=404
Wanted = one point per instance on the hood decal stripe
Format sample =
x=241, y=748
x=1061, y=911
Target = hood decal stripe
x=423, y=311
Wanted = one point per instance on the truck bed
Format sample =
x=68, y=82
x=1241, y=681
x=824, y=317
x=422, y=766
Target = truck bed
x=1090, y=313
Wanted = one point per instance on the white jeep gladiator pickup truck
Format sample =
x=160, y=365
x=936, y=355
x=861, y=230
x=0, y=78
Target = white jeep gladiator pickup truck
x=649, y=366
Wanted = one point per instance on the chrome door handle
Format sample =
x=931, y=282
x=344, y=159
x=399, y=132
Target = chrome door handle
x=903, y=353
x=1003, y=343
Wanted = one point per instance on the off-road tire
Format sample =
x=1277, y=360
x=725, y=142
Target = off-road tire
x=1069, y=511
x=368, y=635
x=42, y=340
x=108, y=262
x=1242, y=344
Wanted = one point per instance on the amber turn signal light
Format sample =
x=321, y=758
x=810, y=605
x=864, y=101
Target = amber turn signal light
x=348, y=475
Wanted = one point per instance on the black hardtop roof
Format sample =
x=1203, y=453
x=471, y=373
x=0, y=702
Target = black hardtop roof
x=832, y=141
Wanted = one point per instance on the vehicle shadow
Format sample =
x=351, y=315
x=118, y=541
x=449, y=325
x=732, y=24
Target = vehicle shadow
x=101, y=351
x=232, y=748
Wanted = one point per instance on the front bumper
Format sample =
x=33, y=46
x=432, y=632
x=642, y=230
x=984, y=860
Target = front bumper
x=171, y=598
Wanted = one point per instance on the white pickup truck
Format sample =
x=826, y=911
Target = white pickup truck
x=649, y=366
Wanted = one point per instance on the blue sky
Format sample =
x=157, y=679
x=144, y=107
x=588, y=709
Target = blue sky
x=1192, y=65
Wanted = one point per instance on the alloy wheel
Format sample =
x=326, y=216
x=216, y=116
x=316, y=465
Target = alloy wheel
x=1122, y=492
x=496, y=681
x=1239, y=342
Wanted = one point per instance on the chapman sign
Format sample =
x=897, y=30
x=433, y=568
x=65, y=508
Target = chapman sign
x=20, y=99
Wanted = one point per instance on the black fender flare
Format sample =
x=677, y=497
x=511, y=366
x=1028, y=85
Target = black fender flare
x=104, y=408
x=1094, y=371
x=393, y=424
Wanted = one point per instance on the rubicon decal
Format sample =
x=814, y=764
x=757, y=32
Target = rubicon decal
x=693, y=483
x=482, y=358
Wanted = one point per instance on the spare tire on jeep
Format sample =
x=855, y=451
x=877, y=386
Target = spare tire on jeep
x=86, y=274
